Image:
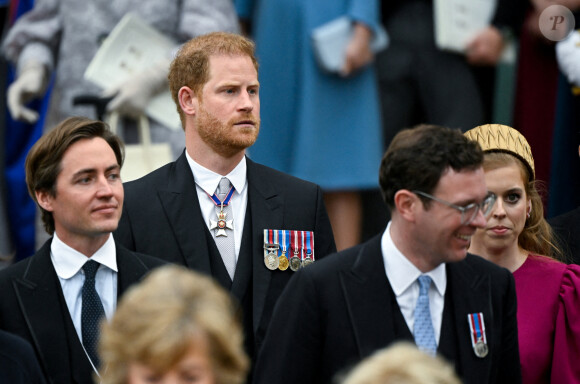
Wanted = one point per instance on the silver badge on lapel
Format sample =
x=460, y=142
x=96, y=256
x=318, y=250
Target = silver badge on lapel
x=477, y=333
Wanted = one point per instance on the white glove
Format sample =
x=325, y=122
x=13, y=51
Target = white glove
x=132, y=96
x=568, y=55
x=31, y=83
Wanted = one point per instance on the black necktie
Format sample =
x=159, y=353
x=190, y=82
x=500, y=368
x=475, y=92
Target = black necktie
x=92, y=312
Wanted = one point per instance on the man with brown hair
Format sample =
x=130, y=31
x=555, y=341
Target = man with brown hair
x=56, y=298
x=415, y=282
x=209, y=210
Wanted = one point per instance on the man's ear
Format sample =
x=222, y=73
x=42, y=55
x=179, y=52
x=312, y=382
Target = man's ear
x=45, y=200
x=187, y=101
x=406, y=204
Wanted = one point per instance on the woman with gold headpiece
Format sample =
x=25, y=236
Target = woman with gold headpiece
x=518, y=238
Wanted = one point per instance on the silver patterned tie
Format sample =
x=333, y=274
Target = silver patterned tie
x=224, y=234
x=424, y=332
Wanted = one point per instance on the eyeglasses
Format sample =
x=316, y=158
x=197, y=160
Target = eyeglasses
x=469, y=212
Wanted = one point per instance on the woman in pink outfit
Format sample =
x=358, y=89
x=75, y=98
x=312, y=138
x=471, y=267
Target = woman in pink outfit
x=518, y=238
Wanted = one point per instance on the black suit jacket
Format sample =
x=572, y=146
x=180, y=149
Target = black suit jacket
x=18, y=364
x=32, y=306
x=508, y=13
x=162, y=217
x=343, y=309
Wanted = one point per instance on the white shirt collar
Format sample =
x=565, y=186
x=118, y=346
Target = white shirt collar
x=68, y=261
x=402, y=273
x=208, y=180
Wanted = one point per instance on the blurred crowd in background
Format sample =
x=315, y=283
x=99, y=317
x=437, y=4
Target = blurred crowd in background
x=330, y=129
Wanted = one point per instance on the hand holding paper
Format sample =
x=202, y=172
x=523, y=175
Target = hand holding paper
x=133, y=95
x=122, y=66
x=341, y=46
x=30, y=84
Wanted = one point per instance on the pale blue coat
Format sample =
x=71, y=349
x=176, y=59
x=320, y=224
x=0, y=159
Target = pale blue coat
x=315, y=126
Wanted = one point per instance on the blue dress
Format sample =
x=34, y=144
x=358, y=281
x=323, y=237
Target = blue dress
x=316, y=126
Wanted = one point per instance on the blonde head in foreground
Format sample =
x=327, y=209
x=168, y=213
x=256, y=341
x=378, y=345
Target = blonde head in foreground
x=175, y=322
x=402, y=363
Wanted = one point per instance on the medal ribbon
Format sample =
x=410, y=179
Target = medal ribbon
x=285, y=242
x=294, y=236
x=476, y=327
x=312, y=244
x=226, y=201
x=276, y=241
x=309, y=240
x=270, y=237
x=302, y=237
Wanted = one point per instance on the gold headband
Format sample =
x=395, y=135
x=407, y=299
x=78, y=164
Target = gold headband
x=501, y=138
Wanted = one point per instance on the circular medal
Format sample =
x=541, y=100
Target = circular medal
x=271, y=261
x=307, y=261
x=283, y=263
x=295, y=263
x=480, y=349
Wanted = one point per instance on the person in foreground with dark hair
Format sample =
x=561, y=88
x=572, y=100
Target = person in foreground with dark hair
x=56, y=298
x=415, y=282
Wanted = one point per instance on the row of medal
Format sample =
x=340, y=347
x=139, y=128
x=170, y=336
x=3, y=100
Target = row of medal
x=285, y=249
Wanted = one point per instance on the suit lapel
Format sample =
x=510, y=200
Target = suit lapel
x=471, y=293
x=266, y=207
x=369, y=299
x=39, y=295
x=184, y=213
x=131, y=270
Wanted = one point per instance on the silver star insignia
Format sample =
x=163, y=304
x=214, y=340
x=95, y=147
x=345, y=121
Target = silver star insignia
x=221, y=224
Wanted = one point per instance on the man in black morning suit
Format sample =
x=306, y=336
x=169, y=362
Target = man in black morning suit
x=169, y=212
x=344, y=308
x=72, y=173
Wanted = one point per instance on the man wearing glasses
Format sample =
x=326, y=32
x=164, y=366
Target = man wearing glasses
x=415, y=282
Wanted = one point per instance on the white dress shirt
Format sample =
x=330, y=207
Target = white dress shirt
x=68, y=264
x=403, y=275
x=206, y=183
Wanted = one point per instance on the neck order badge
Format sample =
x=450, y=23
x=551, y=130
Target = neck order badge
x=225, y=244
x=222, y=223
